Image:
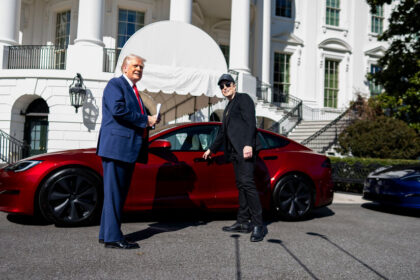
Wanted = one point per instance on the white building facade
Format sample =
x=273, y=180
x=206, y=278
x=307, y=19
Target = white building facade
x=316, y=51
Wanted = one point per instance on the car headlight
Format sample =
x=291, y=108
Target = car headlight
x=22, y=165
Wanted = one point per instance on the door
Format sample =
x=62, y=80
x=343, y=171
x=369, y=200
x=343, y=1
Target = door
x=176, y=177
x=36, y=134
x=223, y=179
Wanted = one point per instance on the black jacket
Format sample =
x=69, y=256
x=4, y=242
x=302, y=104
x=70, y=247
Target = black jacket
x=239, y=125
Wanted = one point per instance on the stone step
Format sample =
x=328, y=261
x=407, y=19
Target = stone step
x=298, y=133
x=310, y=124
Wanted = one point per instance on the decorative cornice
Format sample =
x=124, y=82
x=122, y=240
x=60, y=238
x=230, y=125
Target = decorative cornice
x=288, y=38
x=335, y=44
x=377, y=52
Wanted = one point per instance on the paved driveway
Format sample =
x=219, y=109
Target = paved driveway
x=343, y=241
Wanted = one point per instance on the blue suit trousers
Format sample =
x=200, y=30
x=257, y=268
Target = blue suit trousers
x=117, y=179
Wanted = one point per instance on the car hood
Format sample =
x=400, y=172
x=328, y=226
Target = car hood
x=63, y=153
x=392, y=172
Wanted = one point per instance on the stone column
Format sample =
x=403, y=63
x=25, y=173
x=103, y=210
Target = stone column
x=239, y=46
x=239, y=36
x=9, y=27
x=90, y=22
x=9, y=22
x=266, y=41
x=266, y=46
x=181, y=10
x=86, y=55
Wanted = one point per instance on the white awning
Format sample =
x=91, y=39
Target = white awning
x=183, y=65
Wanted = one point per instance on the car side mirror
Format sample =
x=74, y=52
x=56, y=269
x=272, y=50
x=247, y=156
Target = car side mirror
x=160, y=144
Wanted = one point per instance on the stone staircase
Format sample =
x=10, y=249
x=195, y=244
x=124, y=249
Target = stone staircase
x=325, y=143
x=306, y=129
x=320, y=135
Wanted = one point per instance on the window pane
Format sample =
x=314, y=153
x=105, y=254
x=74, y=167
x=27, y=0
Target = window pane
x=374, y=88
x=128, y=23
x=284, y=8
x=332, y=13
x=377, y=20
x=122, y=15
x=197, y=138
x=281, y=77
x=131, y=17
x=331, y=83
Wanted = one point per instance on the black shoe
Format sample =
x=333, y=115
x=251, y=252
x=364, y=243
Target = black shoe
x=258, y=233
x=101, y=241
x=123, y=244
x=237, y=227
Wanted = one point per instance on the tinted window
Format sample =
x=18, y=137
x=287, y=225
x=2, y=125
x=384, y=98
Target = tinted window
x=269, y=141
x=195, y=138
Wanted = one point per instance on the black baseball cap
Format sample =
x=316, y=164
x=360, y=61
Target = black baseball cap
x=226, y=77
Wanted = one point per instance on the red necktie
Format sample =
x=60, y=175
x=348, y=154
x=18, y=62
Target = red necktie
x=141, y=107
x=138, y=98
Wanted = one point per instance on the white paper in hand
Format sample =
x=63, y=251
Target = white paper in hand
x=158, y=109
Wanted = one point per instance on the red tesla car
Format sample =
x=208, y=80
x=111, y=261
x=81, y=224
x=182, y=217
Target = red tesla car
x=66, y=187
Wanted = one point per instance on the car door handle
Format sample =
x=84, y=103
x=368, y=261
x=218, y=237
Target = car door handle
x=270, y=157
x=200, y=160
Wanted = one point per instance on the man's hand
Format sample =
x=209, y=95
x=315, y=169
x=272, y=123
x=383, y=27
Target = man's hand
x=247, y=152
x=206, y=154
x=152, y=120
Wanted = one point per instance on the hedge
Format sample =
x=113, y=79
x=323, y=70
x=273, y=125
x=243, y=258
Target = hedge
x=349, y=173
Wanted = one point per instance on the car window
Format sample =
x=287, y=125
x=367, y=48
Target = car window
x=194, y=138
x=270, y=141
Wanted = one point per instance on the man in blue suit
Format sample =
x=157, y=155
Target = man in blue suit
x=123, y=140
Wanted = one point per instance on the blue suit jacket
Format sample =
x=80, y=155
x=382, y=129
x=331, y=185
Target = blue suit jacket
x=123, y=124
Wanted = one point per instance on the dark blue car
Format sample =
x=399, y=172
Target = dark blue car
x=397, y=186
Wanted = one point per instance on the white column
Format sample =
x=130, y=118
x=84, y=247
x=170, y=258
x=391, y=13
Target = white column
x=181, y=10
x=90, y=22
x=239, y=36
x=86, y=55
x=9, y=22
x=266, y=42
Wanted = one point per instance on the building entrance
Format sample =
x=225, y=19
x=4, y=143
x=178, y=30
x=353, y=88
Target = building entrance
x=36, y=127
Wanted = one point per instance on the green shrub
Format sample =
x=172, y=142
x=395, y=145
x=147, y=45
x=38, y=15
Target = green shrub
x=382, y=137
x=349, y=173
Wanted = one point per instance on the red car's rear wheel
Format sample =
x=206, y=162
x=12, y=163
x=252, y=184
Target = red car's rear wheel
x=71, y=197
x=293, y=197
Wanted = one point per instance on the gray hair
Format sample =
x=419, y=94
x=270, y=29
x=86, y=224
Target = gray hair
x=128, y=58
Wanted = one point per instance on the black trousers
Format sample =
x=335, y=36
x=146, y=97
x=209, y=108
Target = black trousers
x=249, y=201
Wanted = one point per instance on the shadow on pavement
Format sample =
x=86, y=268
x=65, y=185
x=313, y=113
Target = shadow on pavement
x=170, y=220
x=392, y=209
x=279, y=242
x=316, y=213
x=346, y=252
x=237, y=256
x=27, y=220
x=175, y=216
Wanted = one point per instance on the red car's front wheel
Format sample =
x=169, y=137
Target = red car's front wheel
x=71, y=197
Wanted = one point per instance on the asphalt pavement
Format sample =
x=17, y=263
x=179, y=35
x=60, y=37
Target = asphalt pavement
x=350, y=239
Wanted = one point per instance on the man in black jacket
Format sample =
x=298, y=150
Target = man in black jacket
x=238, y=133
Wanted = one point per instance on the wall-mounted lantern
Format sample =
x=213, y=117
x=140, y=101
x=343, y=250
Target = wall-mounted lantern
x=77, y=92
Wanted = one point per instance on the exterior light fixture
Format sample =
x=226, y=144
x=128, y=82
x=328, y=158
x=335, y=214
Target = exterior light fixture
x=77, y=92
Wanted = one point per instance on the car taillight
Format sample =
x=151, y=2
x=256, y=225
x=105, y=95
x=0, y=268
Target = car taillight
x=326, y=163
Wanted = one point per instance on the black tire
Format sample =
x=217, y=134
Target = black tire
x=293, y=197
x=71, y=197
